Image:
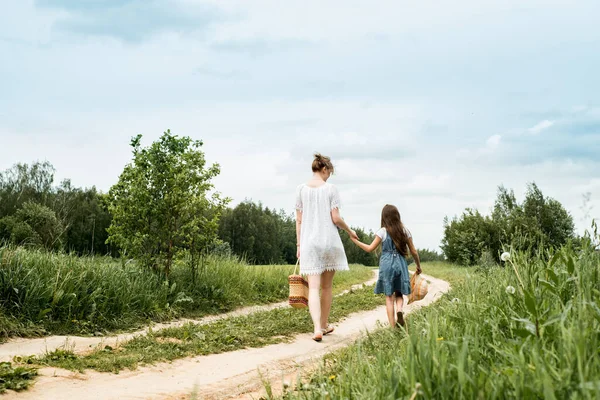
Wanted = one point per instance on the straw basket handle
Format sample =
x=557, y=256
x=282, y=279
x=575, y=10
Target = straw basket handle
x=296, y=267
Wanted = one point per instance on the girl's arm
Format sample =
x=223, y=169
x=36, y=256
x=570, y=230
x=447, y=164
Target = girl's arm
x=298, y=226
x=415, y=255
x=368, y=247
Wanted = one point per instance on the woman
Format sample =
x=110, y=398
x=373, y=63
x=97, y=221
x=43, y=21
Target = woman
x=319, y=245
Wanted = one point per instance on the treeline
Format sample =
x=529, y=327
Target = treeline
x=265, y=236
x=538, y=223
x=36, y=212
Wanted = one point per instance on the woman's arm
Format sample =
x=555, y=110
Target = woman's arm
x=368, y=247
x=298, y=226
x=415, y=255
x=340, y=223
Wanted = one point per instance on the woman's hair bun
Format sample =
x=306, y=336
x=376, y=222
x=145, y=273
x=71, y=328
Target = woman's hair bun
x=321, y=162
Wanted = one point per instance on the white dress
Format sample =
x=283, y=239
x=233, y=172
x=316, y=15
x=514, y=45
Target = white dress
x=321, y=248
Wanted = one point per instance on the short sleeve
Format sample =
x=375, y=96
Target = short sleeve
x=299, y=198
x=381, y=233
x=334, y=198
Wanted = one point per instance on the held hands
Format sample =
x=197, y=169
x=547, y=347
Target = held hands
x=353, y=235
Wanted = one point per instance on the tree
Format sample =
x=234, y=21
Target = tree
x=33, y=224
x=537, y=223
x=465, y=238
x=85, y=215
x=161, y=203
x=23, y=183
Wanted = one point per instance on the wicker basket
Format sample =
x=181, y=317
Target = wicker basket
x=298, y=290
x=418, y=288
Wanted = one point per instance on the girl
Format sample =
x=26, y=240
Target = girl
x=396, y=241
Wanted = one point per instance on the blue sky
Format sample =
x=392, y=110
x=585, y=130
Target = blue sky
x=428, y=105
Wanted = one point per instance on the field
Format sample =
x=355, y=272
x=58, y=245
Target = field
x=44, y=293
x=528, y=330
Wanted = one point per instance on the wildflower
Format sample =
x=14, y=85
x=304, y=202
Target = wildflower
x=505, y=256
x=456, y=300
x=510, y=290
x=440, y=339
x=332, y=377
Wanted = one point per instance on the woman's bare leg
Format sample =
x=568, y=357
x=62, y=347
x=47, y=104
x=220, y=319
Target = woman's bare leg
x=314, y=302
x=326, y=296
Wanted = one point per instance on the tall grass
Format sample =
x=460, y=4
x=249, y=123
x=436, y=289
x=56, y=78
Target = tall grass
x=529, y=330
x=44, y=292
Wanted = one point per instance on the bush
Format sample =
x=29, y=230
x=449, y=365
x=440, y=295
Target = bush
x=33, y=224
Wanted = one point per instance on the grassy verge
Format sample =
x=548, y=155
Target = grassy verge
x=45, y=293
x=454, y=274
x=18, y=378
x=528, y=330
x=254, y=330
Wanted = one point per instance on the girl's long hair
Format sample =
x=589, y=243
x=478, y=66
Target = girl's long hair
x=390, y=220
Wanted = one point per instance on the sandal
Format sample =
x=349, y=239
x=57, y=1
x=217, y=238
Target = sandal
x=317, y=337
x=328, y=330
x=400, y=316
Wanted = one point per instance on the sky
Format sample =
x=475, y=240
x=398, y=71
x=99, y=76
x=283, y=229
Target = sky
x=428, y=105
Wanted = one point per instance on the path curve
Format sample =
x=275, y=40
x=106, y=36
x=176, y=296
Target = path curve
x=85, y=344
x=215, y=376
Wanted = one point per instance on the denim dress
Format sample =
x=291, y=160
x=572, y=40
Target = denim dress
x=393, y=271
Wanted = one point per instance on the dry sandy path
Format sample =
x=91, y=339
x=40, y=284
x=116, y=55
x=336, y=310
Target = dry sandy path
x=84, y=344
x=218, y=376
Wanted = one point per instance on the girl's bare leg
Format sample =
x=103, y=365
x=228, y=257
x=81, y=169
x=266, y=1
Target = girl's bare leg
x=389, y=305
x=399, y=306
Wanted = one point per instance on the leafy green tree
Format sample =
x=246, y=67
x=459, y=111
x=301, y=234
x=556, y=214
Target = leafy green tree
x=466, y=237
x=259, y=234
x=539, y=222
x=84, y=213
x=33, y=224
x=23, y=183
x=162, y=203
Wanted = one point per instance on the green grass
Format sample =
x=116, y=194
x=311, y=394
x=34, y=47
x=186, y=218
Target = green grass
x=452, y=273
x=17, y=379
x=46, y=293
x=254, y=330
x=483, y=340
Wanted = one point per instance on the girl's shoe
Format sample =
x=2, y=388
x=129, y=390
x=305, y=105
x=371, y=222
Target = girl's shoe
x=317, y=337
x=328, y=330
x=400, y=316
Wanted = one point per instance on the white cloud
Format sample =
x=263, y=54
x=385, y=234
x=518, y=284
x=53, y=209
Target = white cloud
x=490, y=147
x=493, y=142
x=540, y=126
